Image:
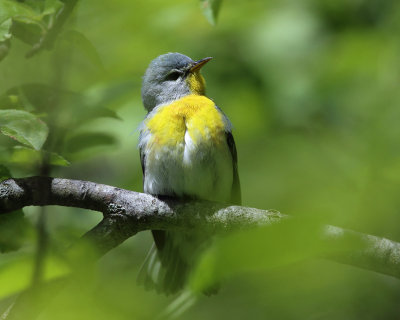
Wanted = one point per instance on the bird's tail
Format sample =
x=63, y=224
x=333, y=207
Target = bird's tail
x=171, y=259
x=149, y=273
x=165, y=268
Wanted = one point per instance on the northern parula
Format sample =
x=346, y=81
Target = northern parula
x=187, y=151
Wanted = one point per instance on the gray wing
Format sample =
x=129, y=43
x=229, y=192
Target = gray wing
x=236, y=196
x=142, y=159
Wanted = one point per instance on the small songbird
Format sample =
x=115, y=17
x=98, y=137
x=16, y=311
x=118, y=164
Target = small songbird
x=187, y=151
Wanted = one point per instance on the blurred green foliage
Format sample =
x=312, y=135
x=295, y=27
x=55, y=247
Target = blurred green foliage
x=312, y=90
x=211, y=9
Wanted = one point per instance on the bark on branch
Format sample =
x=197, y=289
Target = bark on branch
x=127, y=212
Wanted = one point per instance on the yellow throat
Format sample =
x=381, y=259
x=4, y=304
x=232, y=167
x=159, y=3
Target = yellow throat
x=196, y=83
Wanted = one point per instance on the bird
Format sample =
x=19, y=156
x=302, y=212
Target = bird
x=187, y=151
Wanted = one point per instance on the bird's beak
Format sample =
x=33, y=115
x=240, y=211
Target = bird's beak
x=199, y=63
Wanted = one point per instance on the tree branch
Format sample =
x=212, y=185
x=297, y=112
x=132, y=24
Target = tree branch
x=127, y=212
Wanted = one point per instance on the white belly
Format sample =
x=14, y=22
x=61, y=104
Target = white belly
x=200, y=170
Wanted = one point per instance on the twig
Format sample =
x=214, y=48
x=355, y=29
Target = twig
x=127, y=212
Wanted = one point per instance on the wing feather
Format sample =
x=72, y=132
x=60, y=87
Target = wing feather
x=236, y=197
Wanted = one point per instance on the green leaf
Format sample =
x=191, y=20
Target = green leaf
x=78, y=40
x=101, y=112
x=27, y=156
x=16, y=275
x=13, y=16
x=33, y=97
x=23, y=127
x=57, y=160
x=41, y=98
x=7, y=131
x=28, y=30
x=5, y=29
x=87, y=144
x=86, y=140
x=111, y=94
x=30, y=21
x=211, y=9
x=4, y=48
x=10, y=9
x=44, y=7
x=257, y=249
x=4, y=173
x=5, y=36
x=13, y=230
x=52, y=7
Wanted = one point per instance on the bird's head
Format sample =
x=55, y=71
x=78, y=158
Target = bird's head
x=172, y=76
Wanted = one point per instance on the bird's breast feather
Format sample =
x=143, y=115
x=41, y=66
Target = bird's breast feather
x=194, y=115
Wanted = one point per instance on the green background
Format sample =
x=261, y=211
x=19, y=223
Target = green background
x=312, y=90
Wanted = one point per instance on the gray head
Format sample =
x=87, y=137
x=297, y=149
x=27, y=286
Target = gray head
x=171, y=76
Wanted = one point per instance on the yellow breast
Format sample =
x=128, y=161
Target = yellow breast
x=194, y=114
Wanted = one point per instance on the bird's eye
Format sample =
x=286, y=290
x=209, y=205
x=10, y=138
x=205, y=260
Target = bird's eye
x=173, y=75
